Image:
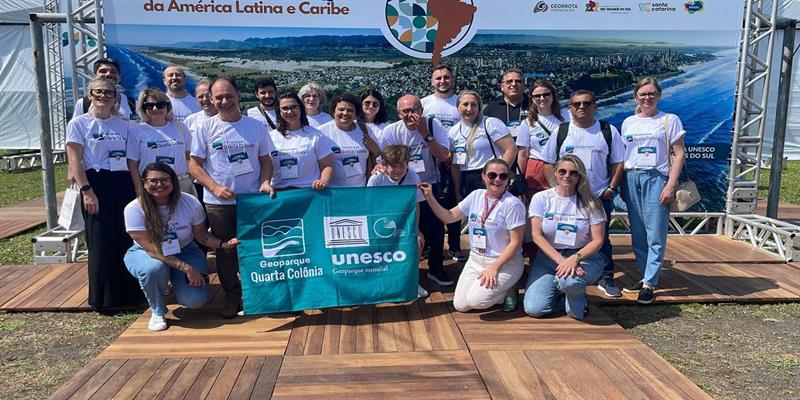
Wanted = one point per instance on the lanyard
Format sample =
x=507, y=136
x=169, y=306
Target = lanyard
x=486, y=209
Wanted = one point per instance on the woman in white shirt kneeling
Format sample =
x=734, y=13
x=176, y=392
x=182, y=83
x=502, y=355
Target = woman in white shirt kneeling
x=496, y=223
x=567, y=223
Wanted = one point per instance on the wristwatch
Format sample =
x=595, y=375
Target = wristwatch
x=613, y=189
x=579, y=256
x=429, y=138
x=86, y=188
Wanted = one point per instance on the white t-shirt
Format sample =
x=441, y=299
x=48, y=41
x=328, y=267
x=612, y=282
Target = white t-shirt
x=184, y=107
x=645, y=140
x=255, y=113
x=383, y=179
x=562, y=213
x=535, y=138
x=508, y=214
x=444, y=110
x=295, y=161
x=377, y=128
x=124, y=108
x=188, y=212
x=194, y=121
x=168, y=144
x=100, y=138
x=349, y=155
x=225, y=148
x=482, y=149
x=315, y=121
x=590, y=145
x=421, y=157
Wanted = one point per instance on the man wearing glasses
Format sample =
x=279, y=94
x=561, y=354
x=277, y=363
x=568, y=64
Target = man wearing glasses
x=427, y=139
x=183, y=104
x=512, y=108
x=106, y=68
x=600, y=148
x=230, y=156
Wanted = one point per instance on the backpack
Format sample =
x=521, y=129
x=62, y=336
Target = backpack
x=563, y=130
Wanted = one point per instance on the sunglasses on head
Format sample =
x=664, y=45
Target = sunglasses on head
x=494, y=175
x=160, y=105
x=573, y=173
x=578, y=104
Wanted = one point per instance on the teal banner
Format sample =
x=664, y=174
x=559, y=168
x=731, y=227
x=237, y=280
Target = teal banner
x=306, y=249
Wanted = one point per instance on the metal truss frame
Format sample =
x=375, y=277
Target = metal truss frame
x=55, y=78
x=766, y=233
x=83, y=57
x=680, y=224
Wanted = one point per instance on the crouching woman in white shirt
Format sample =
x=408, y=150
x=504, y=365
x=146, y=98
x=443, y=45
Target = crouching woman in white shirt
x=162, y=222
x=496, y=225
x=568, y=224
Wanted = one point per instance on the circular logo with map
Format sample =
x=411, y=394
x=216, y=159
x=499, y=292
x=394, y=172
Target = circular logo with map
x=429, y=29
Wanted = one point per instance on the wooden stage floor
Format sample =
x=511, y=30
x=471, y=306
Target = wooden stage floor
x=24, y=216
x=425, y=348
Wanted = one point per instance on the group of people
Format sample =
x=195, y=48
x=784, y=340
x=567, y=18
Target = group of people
x=151, y=189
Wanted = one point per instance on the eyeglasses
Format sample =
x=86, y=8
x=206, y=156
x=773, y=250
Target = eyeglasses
x=290, y=108
x=513, y=81
x=107, y=93
x=160, y=105
x=312, y=95
x=648, y=95
x=578, y=104
x=368, y=103
x=155, y=181
x=573, y=173
x=407, y=111
x=494, y=175
x=542, y=95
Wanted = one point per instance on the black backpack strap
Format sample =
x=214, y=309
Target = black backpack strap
x=266, y=117
x=563, y=130
x=544, y=128
x=605, y=128
x=87, y=102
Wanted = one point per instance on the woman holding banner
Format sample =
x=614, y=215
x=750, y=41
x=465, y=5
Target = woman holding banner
x=496, y=221
x=159, y=138
x=568, y=224
x=163, y=223
x=303, y=156
x=96, y=146
x=313, y=96
x=650, y=181
x=354, y=143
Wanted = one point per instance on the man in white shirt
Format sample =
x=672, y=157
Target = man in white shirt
x=600, y=147
x=107, y=68
x=267, y=95
x=230, y=156
x=441, y=104
x=193, y=122
x=183, y=104
x=427, y=140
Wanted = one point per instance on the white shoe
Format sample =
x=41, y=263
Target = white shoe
x=157, y=322
x=421, y=292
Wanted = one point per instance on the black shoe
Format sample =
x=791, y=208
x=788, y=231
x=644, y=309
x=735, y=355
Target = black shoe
x=635, y=288
x=440, y=277
x=456, y=255
x=646, y=295
x=231, y=309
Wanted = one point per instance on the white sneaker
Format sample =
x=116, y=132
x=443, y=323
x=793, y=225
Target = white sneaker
x=421, y=292
x=157, y=322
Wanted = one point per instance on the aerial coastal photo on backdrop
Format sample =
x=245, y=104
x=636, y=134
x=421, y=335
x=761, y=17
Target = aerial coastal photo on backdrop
x=698, y=79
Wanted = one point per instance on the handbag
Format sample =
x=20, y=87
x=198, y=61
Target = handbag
x=517, y=184
x=71, y=216
x=686, y=194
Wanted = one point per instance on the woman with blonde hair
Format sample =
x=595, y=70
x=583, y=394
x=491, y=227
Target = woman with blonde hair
x=567, y=224
x=159, y=138
x=313, y=97
x=650, y=180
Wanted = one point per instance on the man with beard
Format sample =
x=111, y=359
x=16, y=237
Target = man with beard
x=183, y=104
x=512, y=108
x=267, y=95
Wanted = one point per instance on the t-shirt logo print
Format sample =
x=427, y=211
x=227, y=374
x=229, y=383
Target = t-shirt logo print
x=429, y=29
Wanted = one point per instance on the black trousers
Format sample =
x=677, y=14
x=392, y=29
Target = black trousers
x=222, y=219
x=433, y=231
x=110, y=283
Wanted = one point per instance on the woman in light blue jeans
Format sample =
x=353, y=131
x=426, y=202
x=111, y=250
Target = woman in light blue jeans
x=163, y=223
x=567, y=223
x=650, y=181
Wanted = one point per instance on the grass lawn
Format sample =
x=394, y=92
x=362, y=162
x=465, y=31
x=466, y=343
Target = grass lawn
x=790, y=183
x=22, y=186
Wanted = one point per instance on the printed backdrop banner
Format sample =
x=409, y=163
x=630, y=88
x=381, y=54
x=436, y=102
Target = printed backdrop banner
x=604, y=46
x=339, y=247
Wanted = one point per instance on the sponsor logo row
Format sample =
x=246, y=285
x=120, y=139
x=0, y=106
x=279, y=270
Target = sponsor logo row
x=690, y=7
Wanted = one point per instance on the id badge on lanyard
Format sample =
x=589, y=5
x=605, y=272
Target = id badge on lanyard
x=170, y=245
x=566, y=234
x=288, y=168
x=416, y=163
x=117, y=160
x=240, y=164
x=646, y=156
x=479, y=238
x=352, y=167
x=459, y=155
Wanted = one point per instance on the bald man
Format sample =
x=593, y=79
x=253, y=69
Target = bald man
x=183, y=104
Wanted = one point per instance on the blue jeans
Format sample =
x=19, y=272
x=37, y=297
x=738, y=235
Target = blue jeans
x=606, y=250
x=154, y=276
x=641, y=190
x=546, y=294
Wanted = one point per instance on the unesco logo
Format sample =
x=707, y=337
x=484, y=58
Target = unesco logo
x=540, y=7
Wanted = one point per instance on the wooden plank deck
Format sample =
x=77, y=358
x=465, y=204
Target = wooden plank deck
x=54, y=287
x=24, y=216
